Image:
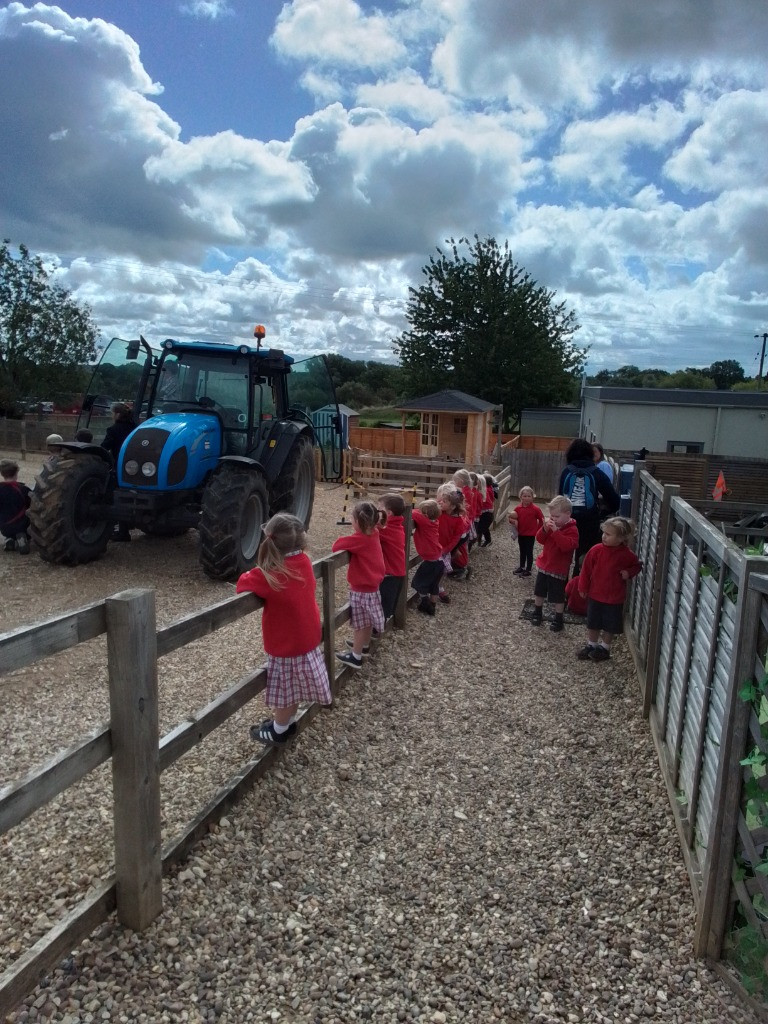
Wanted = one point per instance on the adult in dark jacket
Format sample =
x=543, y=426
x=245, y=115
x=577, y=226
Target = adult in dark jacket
x=123, y=423
x=580, y=459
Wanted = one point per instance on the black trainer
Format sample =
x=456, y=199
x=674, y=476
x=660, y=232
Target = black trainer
x=600, y=653
x=585, y=653
x=558, y=625
x=425, y=606
x=265, y=733
x=349, y=659
x=538, y=618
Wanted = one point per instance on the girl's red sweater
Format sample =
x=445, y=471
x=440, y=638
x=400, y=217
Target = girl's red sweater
x=450, y=531
x=392, y=537
x=366, y=564
x=557, y=549
x=426, y=536
x=529, y=519
x=290, y=621
x=599, y=578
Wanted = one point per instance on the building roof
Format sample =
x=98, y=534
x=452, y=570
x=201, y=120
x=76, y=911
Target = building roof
x=679, y=396
x=447, y=401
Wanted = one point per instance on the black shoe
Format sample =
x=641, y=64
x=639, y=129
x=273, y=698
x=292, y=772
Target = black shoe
x=348, y=658
x=557, y=626
x=526, y=572
x=600, y=653
x=425, y=606
x=537, y=620
x=265, y=733
x=518, y=572
x=585, y=652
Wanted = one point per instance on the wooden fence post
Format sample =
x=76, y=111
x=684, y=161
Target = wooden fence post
x=718, y=862
x=328, y=577
x=401, y=608
x=132, y=659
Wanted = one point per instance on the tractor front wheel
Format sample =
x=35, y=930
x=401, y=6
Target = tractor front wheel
x=235, y=507
x=64, y=516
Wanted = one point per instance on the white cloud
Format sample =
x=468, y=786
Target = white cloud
x=335, y=32
x=407, y=94
x=211, y=9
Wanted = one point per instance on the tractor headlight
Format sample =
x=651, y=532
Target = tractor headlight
x=131, y=468
x=148, y=468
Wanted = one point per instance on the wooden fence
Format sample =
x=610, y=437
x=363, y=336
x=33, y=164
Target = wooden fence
x=697, y=623
x=392, y=473
x=130, y=741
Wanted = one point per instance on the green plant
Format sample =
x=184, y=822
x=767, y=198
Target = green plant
x=747, y=945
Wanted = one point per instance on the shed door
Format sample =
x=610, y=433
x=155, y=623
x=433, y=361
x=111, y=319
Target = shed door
x=429, y=433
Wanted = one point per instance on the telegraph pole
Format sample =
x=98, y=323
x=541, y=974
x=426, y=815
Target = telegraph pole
x=764, y=336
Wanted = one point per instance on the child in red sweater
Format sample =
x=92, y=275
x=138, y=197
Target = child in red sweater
x=364, y=574
x=426, y=540
x=603, y=581
x=559, y=538
x=290, y=623
x=574, y=602
x=451, y=529
x=527, y=519
x=392, y=537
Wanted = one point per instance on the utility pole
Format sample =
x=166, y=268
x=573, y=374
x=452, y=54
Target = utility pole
x=764, y=336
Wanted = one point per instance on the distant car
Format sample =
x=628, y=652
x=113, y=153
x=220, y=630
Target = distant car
x=46, y=407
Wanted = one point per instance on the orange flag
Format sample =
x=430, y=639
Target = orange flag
x=719, y=489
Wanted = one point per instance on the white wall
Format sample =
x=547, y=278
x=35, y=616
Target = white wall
x=723, y=431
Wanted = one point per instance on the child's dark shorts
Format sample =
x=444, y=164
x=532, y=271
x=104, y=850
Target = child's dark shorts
x=426, y=579
x=551, y=587
x=608, y=617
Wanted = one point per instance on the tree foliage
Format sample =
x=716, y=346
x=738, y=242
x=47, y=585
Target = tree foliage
x=723, y=375
x=481, y=324
x=45, y=336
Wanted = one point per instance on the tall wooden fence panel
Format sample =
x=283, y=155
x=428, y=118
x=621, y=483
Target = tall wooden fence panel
x=696, y=635
x=533, y=468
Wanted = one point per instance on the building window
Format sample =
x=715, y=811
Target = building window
x=460, y=425
x=429, y=428
x=685, y=447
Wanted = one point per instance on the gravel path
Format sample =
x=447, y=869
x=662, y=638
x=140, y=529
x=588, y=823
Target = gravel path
x=477, y=831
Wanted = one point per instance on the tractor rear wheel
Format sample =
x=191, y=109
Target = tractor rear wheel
x=235, y=507
x=65, y=527
x=294, y=489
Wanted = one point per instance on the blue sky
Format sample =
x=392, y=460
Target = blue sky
x=193, y=167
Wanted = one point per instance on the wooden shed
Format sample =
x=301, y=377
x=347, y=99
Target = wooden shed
x=453, y=424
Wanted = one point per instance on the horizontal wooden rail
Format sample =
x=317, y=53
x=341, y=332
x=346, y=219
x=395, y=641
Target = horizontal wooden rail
x=45, y=782
x=23, y=647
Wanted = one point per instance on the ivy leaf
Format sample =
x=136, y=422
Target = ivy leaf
x=762, y=868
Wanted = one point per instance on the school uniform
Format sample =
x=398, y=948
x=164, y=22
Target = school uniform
x=392, y=538
x=365, y=572
x=290, y=624
x=600, y=579
x=426, y=540
x=557, y=547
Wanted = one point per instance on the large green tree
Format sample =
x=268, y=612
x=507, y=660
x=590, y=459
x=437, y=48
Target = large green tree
x=46, y=337
x=481, y=324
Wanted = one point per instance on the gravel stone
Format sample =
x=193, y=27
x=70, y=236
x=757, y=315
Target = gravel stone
x=477, y=830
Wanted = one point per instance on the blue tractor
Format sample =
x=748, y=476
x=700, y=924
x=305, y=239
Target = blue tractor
x=223, y=439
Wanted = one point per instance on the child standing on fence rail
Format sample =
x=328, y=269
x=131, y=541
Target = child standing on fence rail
x=603, y=581
x=528, y=519
x=392, y=537
x=365, y=572
x=290, y=623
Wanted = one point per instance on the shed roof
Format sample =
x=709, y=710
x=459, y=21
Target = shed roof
x=447, y=401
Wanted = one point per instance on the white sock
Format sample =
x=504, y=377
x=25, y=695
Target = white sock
x=593, y=643
x=280, y=729
x=605, y=645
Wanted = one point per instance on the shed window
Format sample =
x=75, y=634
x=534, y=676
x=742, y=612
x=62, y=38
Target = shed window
x=685, y=447
x=460, y=425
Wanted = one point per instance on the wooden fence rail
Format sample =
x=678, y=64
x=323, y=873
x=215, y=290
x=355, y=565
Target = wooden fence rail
x=697, y=623
x=138, y=756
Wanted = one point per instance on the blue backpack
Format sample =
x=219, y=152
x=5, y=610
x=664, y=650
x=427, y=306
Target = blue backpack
x=571, y=482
